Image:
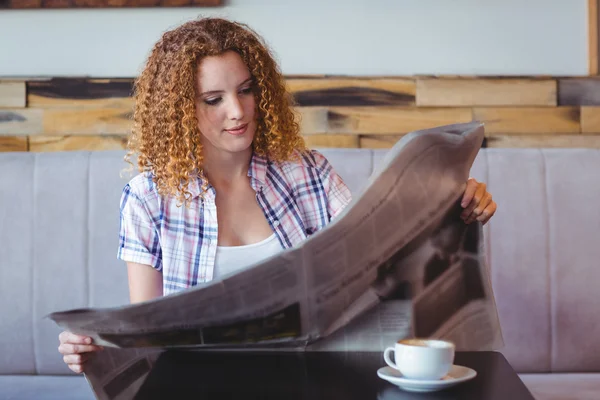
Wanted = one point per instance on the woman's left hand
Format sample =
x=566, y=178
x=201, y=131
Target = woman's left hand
x=477, y=203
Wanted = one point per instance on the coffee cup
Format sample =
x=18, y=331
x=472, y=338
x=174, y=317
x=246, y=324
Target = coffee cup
x=422, y=359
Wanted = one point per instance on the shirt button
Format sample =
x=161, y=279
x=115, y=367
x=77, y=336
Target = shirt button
x=276, y=222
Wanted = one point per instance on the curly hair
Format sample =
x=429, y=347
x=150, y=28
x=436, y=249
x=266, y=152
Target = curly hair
x=165, y=133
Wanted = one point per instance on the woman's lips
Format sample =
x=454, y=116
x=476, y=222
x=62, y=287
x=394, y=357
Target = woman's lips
x=238, y=130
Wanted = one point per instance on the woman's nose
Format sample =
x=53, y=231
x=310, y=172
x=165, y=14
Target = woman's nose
x=235, y=110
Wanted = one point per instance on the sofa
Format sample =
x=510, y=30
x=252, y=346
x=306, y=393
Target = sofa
x=59, y=219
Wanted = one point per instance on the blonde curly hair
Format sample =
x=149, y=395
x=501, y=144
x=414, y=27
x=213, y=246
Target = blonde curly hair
x=165, y=133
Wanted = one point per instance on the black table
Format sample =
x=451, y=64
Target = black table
x=344, y=376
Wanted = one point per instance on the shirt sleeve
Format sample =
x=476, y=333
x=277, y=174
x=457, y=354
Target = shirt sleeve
x=138, y=237
x=338, y=194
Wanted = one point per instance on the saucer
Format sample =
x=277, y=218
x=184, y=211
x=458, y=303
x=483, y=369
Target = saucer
x=456, y=375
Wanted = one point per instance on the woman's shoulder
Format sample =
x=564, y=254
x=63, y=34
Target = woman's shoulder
x=142, y=185
x=305, y=159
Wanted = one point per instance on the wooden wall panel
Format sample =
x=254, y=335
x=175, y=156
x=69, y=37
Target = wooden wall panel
x=529, y=120
x=544, y=141
x=590, y=120
x=81, y=93
x=53, y=114
x=593, y=50
x=486, y=92
x=345, y=141
x=20, y=121
x=67, y=143
x=29, y=4
x=579, y=92
x=12, y=94
x=353, y=92
x=97, y=121
x=377, y=120
x=13, y=143
x=379, y=141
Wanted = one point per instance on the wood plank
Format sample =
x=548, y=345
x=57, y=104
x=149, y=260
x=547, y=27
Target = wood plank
x=31, y=4
x=12, y=94
x=590, y=120
x=529, y=120
x=23, y=78
x=544, y=141
x=377, y=120
x=378, y=141
x=13, y=143
x=35, y=101
x=71, y=143
x=470, y=76
x=579, y=91
x=319, y=120
x=77, y=93
x=593, y=16
x=485, y=92
x=352, y=92
x=100, y=121
x=20, y=121
x=342, y=141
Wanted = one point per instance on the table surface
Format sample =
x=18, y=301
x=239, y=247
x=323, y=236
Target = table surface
x=314, y=375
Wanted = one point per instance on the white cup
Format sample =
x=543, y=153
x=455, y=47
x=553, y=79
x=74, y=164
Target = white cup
x=423, y=359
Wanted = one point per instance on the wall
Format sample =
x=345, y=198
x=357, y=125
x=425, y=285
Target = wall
x=347, y=37
x=92, y=114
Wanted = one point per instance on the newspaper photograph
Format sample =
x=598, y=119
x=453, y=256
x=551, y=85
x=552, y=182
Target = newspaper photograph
x=397, y=262
x=118, y=374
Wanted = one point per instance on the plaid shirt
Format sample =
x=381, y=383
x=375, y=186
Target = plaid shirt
x=298, y=198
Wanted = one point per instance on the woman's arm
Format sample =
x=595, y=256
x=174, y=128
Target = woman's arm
x=145, y=282
x=338, y=194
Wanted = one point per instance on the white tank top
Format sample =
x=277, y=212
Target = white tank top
x=234, y=258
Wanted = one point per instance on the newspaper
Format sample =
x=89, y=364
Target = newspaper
x=398, y=262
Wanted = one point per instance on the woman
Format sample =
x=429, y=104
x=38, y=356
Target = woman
x=225, y=177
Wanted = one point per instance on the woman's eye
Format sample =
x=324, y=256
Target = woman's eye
x=247, y=90
x=212, y=102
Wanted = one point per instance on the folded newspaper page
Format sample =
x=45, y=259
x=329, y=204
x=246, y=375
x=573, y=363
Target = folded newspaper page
x=398, y=262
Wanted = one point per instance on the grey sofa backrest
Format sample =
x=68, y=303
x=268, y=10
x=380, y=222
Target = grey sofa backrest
x=59, y=217
x=59, y=214
x=544, y=253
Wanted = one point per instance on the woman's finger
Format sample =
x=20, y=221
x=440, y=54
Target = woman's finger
x=69, y=337
x=469, y=192
x=76, y=358
x=68, y=348
x=77, y=368
x=479, y=193
x=477, y=211
x=489, y=211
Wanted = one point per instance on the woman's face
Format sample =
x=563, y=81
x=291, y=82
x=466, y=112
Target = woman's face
x=225, y=106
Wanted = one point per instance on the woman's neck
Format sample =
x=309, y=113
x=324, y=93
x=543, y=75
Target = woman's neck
x=222, y=169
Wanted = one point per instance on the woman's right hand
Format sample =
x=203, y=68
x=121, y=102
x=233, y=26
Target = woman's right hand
x=76, y=350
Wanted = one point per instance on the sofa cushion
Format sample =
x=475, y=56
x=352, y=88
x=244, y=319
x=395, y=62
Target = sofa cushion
x=28, y=387
x=60, y=222
x=563, y=386
x=356, y=172
x=16, y=274
x=573, y=186
x=543, y=254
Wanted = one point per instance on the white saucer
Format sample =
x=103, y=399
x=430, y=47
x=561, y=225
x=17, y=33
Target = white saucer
x=456, y=375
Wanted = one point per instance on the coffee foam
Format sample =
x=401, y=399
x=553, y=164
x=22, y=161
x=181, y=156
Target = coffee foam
x=438, y=344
